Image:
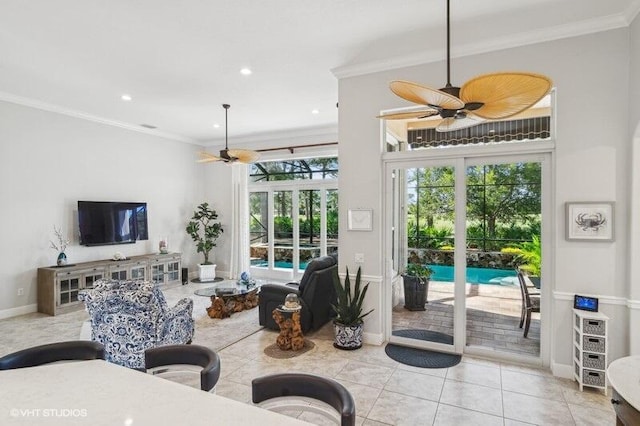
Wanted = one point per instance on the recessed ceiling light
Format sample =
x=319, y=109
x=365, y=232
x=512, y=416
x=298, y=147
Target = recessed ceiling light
x=216, y=125
x=126, y=97
x=245, y=71
x=315, y=111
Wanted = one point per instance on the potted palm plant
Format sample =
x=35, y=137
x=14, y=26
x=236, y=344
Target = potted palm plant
x=203, y=229
x=348, y=323
x=416, y=286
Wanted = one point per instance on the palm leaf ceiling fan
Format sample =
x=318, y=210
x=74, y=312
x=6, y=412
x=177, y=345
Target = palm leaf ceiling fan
x=485, y=97
x=229, y=155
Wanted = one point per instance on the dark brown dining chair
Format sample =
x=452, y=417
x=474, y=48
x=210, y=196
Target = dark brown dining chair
x=281, y=392
x=530, y=303
x=75, y=350
x=171, y=359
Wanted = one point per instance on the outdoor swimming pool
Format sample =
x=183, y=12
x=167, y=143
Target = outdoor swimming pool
x=440, y=273
x=277, y=264
x=476, y=275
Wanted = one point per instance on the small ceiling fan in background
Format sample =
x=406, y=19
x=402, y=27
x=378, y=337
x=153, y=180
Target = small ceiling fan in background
x=485, y=97
x=229, y=155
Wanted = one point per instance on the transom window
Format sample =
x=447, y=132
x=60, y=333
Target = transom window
x=304, y=169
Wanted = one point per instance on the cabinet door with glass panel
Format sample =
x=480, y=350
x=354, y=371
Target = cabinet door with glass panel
x=129, y=271
x=70, y=283
x=165, y=269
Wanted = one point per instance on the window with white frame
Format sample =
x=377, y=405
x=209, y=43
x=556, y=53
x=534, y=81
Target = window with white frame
x=293, y=214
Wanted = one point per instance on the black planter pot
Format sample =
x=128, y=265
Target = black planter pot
x=415, y=292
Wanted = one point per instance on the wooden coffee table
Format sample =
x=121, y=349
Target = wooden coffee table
x=228, y=297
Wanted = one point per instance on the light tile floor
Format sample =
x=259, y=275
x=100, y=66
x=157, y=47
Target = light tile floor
x=475, y=392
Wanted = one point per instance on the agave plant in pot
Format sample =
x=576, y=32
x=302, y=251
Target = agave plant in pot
x=348, y=323
x=416, y=286
x=203, y=229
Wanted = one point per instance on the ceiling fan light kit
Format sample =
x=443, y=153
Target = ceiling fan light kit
x=227, y=155
x=485, y=97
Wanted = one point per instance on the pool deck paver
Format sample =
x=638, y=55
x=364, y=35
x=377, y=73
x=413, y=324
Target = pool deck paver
x=493, y=316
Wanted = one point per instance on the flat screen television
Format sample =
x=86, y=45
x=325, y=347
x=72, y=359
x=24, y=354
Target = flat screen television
x=106, y=222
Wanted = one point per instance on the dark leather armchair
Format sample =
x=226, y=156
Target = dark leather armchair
x=315, y=292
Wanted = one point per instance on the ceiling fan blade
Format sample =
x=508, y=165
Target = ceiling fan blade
x=451, y=124
x=205, y=157
x=408, y=115
x=244, y=155
x=505, y=94
x=422, y=95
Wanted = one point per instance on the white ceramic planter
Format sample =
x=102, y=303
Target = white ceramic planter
x=347, y=337
x=206, y=272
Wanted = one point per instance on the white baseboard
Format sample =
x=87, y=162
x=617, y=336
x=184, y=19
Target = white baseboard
x=562, y=370
x=20, y=310
x=373, y=338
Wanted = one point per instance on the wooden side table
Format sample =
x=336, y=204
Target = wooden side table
x=290, y=337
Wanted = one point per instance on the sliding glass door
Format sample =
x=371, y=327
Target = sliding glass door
x=464, y=218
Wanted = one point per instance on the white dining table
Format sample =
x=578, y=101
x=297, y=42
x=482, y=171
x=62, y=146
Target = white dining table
x=100, y=393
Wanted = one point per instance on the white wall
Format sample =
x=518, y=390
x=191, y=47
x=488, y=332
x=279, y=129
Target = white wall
x=634, y=132
x=49, y=161
x=218, y=195
x=591, y=75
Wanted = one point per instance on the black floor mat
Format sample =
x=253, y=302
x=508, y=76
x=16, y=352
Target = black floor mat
x=421, y=357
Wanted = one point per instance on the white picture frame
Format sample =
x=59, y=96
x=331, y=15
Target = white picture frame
x=360, y=220
x=589, y=221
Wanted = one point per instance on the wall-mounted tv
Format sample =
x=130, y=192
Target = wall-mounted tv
x=106, y=222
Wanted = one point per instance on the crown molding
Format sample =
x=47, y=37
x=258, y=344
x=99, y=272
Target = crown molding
x=574, y=29
x=44, y=106
x=273, y=139
x=632, y=11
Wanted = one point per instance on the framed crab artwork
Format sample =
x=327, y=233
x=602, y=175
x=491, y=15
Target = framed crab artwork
x=589, y=221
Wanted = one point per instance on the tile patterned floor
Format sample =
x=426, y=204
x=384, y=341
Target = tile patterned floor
x=475, y=392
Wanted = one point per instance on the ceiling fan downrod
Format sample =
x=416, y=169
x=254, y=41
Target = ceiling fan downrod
x=451, y=90
x=226, y=125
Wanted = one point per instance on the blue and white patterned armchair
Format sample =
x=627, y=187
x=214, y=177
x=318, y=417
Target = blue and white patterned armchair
x=128, y=317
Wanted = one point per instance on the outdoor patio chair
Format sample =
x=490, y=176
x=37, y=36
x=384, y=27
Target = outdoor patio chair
x=530, y=303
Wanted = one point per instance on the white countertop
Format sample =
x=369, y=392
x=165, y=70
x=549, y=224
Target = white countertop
x=100, y=393
x=624, y=377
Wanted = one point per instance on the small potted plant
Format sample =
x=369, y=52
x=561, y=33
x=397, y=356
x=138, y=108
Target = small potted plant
x=205, y=231
x=348, y=324
x=416, y=286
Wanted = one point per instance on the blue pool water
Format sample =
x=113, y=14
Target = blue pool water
x=476, y=275
x=278, y=264
x=440, y=273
